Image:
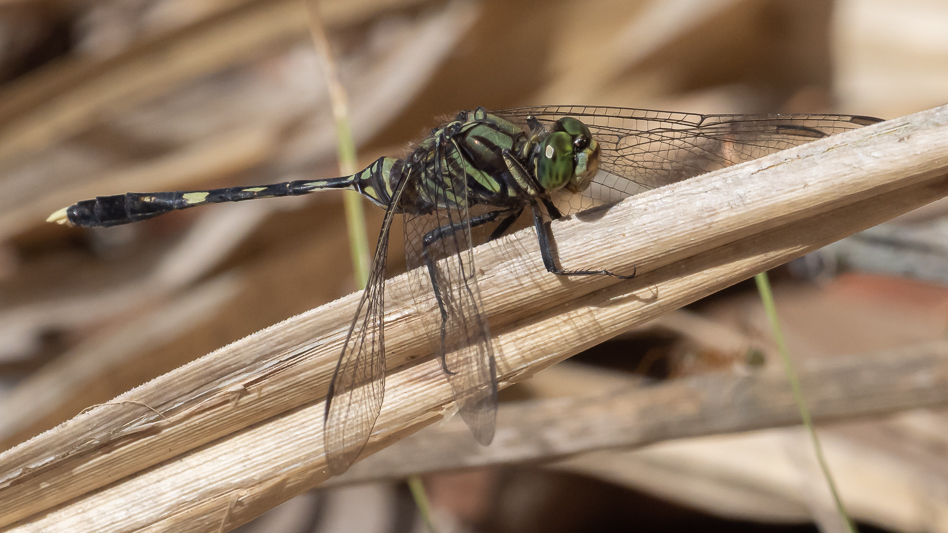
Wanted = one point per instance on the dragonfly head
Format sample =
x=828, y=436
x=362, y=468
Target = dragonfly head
x=567, y=157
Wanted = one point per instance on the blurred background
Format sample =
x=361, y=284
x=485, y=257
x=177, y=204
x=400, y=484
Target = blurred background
x=104, y=97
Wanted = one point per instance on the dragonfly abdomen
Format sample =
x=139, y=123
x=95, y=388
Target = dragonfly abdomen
x=378, y=181
x=106, y=211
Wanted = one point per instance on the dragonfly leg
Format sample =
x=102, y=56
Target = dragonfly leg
x=520, y=175
x=551, y=208
x=505, y=224
x=442, y=232
x=547, y=254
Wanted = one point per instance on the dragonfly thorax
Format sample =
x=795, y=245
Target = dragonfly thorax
x=493, y=161
x=463, y=163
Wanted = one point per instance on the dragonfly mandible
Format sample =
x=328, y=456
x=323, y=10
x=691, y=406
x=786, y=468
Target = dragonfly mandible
x=467, y=183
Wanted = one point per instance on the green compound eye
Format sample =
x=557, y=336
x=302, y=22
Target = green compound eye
x=577, y=130
x=573, y=126
x=555, y=160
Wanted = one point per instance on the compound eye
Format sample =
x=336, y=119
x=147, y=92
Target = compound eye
x=576, y=129
x=555, y=161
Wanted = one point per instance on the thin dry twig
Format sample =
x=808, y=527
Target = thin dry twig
x=687, y=240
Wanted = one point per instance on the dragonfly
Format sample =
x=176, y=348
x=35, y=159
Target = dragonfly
x=467, y=183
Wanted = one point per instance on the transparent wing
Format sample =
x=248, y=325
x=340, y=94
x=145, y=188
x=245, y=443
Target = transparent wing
x=643, y=149
x=445, y=286
x=358, y=383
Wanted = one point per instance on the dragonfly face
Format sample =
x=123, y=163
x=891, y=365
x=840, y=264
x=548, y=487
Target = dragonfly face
x=567, y=157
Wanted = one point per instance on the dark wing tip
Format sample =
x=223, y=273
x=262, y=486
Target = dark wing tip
x=338, y=463
x=863, y=120
x=344, y=439
x=800, y=131
x=478, y=409
x=484, y=432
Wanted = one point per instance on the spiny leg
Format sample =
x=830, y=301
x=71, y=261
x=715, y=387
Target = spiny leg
x=522, y=177
x=443, y=232
x=505, y=224
x=551, y=208
x=547, y=254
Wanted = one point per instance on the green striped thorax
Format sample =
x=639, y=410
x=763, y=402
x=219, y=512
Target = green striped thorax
x=472, y=150
x=567, y=157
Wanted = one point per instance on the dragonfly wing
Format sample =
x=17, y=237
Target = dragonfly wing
x=644, y=149
x=358, y=383
x=445, y=287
